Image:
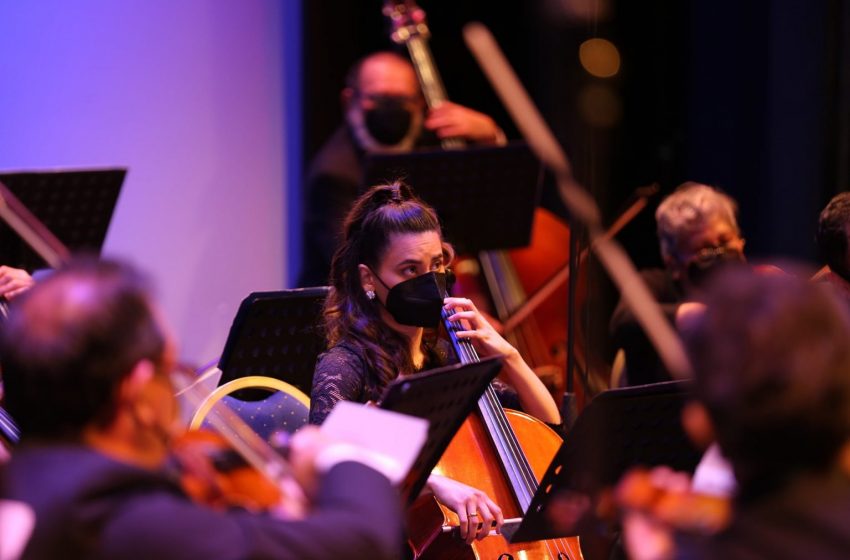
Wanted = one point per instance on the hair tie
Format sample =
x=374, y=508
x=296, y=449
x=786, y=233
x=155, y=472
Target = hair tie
x=396, y=193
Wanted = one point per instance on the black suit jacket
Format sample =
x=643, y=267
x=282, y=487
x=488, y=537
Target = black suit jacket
x=643, y=365
x=810, y=518
x=332, y=186
x=90, y=506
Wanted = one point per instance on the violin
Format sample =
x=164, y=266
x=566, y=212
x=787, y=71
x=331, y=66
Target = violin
x=213, y=474
x=230, y=465
x=678, y=508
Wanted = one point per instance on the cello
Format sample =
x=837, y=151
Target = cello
x=502, y=453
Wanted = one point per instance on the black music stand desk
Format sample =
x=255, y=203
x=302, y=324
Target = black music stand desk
x=445, y=397
x=485, y=197
x=276, y=334
x=75, y=205
x=619, y=429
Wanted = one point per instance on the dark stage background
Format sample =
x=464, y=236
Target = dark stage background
x=749, y=96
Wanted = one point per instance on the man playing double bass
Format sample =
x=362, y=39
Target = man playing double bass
x=384, y=112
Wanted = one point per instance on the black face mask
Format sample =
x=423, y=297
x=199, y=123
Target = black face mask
x=417, y=302
x=704, y=266
x=389, y=121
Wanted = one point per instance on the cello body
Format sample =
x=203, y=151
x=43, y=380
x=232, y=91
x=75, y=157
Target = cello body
x=471, y=459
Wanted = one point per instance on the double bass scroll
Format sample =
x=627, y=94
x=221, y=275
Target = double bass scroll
x=410, y=29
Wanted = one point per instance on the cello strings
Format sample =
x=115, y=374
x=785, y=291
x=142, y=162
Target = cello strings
x=504, y=438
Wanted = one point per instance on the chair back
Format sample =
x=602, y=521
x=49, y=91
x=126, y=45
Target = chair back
x=286, y=408
x=276, y=334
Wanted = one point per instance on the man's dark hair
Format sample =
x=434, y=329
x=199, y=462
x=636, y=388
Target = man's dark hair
x=70, y=341
x=831, y=237
x=772, y=365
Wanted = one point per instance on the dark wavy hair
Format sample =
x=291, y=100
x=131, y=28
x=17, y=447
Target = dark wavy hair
x=350, y=316
x=832, y=233
x=69, y=343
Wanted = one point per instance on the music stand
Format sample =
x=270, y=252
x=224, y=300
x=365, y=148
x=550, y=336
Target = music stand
x=76, y=206
x=276, y=334
x=445, y=397
x=619, y=429
x=485, y=197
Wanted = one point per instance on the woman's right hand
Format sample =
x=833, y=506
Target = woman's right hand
x=476, y=512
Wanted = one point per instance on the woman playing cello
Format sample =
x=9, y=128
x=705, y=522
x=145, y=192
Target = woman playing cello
x=388, y=279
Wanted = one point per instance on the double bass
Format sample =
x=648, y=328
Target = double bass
x=499, y=280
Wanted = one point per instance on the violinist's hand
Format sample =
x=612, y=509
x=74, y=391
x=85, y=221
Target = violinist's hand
x=450, y=120
x=476, y=328
x=464, y=501
x=313, y=453
x=688, y=316
x=659, y=502
x=645, y=538
x=304, y=448
x=647, y=535
x=14, y=282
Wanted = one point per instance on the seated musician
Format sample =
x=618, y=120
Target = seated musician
x=833, y=244
x=384, y=112
x=771, y=363
x=697, y=230
x=388, y=284
x=87, y=357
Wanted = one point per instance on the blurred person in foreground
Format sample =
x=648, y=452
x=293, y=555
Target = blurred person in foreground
x=833, y=240
x=771, y=364
x=384, y=112
x=87, y=360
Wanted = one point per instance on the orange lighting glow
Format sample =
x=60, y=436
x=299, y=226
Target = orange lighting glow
x=599, y=57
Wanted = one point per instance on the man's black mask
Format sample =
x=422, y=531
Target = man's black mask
x=708, y=262
x=417, y=302
x=389, y=121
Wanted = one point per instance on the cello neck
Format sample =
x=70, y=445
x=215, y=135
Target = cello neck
x=514, y=462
